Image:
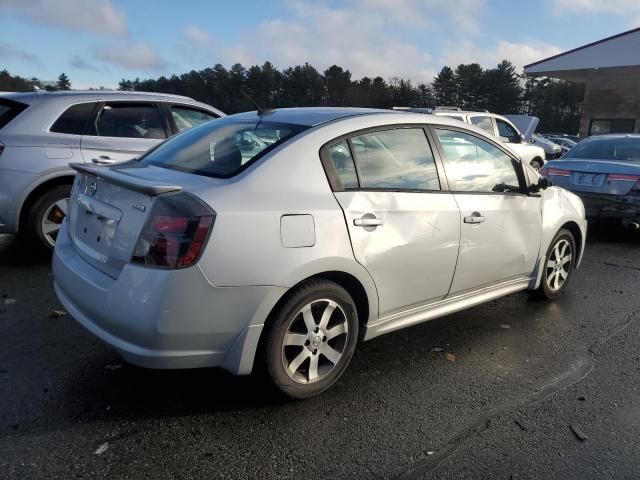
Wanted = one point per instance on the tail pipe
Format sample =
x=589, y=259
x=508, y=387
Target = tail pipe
x=633, y=224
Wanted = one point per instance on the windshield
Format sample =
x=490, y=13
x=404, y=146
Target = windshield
x=622, y=148
x=221, y=148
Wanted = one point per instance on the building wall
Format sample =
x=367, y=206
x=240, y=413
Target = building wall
x=611, y=93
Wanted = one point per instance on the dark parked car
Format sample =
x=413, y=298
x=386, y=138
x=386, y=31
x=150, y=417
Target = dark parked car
x=605, y=172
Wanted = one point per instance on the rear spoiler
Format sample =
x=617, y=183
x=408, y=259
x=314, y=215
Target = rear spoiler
x=116, y=174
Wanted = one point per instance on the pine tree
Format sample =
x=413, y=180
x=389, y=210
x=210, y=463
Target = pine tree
x=63, y=82
x=444, y=87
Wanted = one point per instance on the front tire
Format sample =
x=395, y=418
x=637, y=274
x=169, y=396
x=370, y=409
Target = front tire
x=45, y=217
x=536, y=163
x=558, y=266
x=311, y=339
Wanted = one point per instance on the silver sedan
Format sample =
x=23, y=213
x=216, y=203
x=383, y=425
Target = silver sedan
x=278, y=240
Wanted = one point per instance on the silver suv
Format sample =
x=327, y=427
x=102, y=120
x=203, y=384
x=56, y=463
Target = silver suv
x=42, y=132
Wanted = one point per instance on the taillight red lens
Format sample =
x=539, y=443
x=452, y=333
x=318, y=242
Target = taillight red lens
x=558, y=172
x=621, y=177
x=175, y=233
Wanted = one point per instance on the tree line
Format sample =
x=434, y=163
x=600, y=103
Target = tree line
x=558, y=104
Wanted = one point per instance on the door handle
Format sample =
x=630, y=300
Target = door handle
x=475, y=217
x=102, y=160
x=367, y=222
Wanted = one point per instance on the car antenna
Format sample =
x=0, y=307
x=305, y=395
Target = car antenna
x=261, y=111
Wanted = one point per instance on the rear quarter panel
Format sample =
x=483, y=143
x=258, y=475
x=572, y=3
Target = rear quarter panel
x=246, y=247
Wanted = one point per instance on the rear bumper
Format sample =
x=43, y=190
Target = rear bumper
x=602, y=206
x=164, y=319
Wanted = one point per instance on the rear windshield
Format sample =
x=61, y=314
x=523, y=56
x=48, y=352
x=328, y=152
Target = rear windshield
x=9, y=109
x=221, y=148
x=623, y=149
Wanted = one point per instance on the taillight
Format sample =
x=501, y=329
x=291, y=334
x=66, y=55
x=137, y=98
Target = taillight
x=621, y=177
x=550, y=171
x=175, y=232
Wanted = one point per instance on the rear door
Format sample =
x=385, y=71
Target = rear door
x=122, y=131
x=404, y=227
x=500, y=225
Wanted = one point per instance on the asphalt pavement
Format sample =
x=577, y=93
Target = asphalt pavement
x=515, y=388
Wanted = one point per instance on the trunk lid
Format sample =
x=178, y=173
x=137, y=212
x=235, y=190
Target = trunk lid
x=598, y=176
x=110, y=205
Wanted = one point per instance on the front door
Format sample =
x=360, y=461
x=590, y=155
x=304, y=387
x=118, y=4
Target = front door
x=122, y=131
x=404, y=230
x=500, y=225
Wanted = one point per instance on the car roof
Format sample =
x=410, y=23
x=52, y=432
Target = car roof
x=75, y=95
x=609, y=136
x=311, y=116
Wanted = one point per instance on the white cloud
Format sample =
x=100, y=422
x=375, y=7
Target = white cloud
x=520, y=54
x=132, y=56
x=96, y=16
x=627, y=8
x=11, y=52
x=356, y=38
x=198, y=36
x=82, y=64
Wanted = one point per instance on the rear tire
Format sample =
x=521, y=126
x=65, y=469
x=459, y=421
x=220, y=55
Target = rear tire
x=44, y=218
x=558, y=266
x=310, y=339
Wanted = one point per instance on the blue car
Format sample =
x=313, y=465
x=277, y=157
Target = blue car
x=605, y=172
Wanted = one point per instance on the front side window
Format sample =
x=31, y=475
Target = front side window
x=75, y=119
x=507, y=131
x=340, y=156
x=129, y=120
x=221, y=148
x=484, y=122
x=187, y=117
x=475, y=165
x=395, y=159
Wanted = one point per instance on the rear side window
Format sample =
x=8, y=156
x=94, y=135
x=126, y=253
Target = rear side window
x=483, y=122
x=222, y=148
x=475, y=165
x=129, y=120
x=395, y=159
x=342, y=160
x=186, y=117
x=75, y=119
x=9, y=109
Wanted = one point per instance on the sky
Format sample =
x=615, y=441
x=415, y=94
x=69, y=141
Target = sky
x=99, y=42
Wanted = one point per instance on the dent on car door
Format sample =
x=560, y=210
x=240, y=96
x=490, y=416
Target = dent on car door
x=122, y=131
x=403, y=228
x=500, y=225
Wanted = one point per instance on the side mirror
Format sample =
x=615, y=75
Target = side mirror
x=543, y=183
x=522, y=139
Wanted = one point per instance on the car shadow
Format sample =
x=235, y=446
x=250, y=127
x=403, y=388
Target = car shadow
x=15, y=251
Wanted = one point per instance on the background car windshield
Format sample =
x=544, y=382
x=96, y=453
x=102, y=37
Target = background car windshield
x=221, y=148
x=624, y=148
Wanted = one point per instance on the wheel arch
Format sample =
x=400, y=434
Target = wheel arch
x=250, y=349
x=577, y=235
x=63, y=178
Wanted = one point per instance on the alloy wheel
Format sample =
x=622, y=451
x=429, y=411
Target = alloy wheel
x=559, y=265
x=52, y=220
x=315, y=341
